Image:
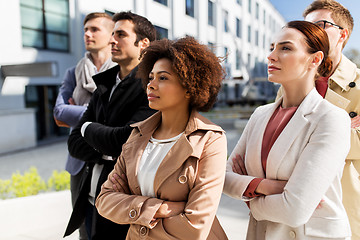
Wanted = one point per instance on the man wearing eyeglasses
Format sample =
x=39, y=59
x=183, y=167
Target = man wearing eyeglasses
x=342, y=88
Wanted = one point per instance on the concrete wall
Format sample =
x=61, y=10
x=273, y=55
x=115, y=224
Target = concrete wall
x=17, y=129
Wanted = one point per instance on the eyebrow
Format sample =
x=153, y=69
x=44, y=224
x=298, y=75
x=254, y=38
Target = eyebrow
x=285, y=42
x=118, y=32
x=161, y=72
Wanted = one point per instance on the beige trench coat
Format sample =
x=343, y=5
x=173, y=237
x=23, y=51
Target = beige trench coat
x=193, y=171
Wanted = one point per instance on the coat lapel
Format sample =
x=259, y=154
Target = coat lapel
x=292, y=130
x=255, y=139
x=177, y=155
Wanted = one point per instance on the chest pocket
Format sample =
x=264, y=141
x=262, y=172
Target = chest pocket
x=180, y=183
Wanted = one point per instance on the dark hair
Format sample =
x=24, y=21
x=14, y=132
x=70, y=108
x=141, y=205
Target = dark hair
x=317, y=40
x=96, y=15
x=142, y=26
x=198, y=68
x=339, y=13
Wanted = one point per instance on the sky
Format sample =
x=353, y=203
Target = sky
x=293, y=9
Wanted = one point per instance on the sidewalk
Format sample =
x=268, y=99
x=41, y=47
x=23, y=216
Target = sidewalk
x=45, y=216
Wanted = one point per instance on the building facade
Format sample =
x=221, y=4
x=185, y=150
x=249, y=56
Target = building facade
x=42, y=38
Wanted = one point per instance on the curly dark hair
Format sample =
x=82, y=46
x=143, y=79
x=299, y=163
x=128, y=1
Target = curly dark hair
x=198, y=68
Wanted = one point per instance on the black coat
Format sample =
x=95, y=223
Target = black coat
x=109, y=130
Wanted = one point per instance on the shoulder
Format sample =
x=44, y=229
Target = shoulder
x=332, y=115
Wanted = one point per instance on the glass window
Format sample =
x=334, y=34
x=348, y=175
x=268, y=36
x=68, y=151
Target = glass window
x=45, y=24
x=190, y=8
x=264, y=17
x=239, y=2
x=226, y=53
x=249, y=34
x=163, y=2
x=211, y=46
x=211, y=16
x=257, y=10
x=161, y=32
x=238, y=59
x=226, y=24
x=249, y=6
x=257, y=38
x=238, y=28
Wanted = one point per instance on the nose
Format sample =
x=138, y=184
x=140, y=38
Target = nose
x=112, y=40
x=152, y=84
x=272, y=56
x=87, y=33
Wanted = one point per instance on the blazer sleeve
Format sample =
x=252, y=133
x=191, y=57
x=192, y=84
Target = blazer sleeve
x=236, y=184
x=321, y=160
x=196, y=220
x=77, y=146
x=97, y=134
x=63, y=111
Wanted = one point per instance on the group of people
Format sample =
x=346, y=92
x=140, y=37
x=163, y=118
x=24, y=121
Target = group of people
x=145, y=164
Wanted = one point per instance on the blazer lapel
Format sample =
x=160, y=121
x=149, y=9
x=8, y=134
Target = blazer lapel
x=255, y=139
x=287, y=137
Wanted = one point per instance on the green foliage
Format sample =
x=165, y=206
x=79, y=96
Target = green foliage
x=5, y=188
x=31, y=183
x=59, y=181
x=28, y=184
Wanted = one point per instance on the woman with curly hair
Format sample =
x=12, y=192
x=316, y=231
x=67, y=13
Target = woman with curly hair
x=168, y=181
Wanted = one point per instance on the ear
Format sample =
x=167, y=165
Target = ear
x=317, y=59
x=344, y=35
x=144, y=43
x=187, y=94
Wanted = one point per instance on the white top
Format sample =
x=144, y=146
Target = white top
x=150, y=161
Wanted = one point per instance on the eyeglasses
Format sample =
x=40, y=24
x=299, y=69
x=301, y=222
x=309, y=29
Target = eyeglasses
x=322, y=24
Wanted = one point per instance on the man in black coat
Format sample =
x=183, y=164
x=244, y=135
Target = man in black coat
x=118, y=102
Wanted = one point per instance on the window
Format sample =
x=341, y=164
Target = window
x=264, y=41
x=211, y=16
x=211, y=46
x=45, y=24
x=249, y=34
x=163, y=2
x=264, y=17
x=226, y=24
x=257, y=10
x=190, y=8
x=161, y=32
x=226, y=52
x=238, y=28
x=238, y=59
x=239, y=2
x=257, y=38
x=249, y=6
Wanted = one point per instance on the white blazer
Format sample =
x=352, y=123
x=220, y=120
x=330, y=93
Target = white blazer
x=310, y=153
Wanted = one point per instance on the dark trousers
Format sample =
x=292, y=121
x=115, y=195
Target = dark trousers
x=75, y=181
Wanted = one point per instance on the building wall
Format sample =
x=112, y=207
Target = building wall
x=171, y=17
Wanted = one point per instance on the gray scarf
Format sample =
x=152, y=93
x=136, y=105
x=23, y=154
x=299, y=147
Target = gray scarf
x=85, y=85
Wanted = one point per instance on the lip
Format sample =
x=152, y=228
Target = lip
x=113, y=50
x=272, y=68
x=151, y=96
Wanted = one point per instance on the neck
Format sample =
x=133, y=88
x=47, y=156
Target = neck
x=335, y=61
x=294, y=94
x=126, y=68
x=172, y=124
x=100, y=57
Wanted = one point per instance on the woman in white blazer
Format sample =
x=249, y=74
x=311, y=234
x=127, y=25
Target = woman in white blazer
x=288, y=167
